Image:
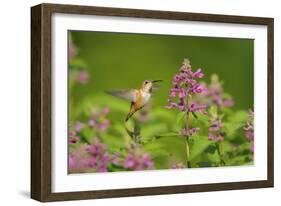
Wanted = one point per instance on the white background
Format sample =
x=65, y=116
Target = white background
x=15, y=102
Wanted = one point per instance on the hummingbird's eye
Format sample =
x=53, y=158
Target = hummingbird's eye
x=146, y=82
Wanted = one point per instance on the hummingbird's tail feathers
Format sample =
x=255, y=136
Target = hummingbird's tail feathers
x=129, y=94
x=129, y=116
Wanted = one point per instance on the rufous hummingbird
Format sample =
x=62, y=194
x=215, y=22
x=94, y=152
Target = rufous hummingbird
x=138, y=97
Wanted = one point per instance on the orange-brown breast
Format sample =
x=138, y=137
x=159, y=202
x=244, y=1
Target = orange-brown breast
x=139, y=100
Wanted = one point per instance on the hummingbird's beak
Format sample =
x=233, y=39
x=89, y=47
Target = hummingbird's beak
x=153, y=81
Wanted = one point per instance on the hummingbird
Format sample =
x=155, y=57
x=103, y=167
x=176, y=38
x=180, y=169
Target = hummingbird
x=138, y=97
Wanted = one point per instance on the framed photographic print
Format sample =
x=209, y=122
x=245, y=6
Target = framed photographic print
x=132, y=102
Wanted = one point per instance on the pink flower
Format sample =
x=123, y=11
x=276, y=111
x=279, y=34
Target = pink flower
x=252, y=149
x=129, y=161
x=199, y=108
x=72, y=50
x=83, y=77
x=99, y=121
x=185, y=85
x=72, y=133
x=105, y=110
x=73, y=140
x=137, y=160
x=249, y=130
x=198, y=73
x=104, y=125
x=189, y=132
x=228, y=102
x=215, y=130
x=171, y=104
x=213, y=94
x=93, y=156
x=115, y=159
x=91, y=123
x=182, y=93
x=78, y=126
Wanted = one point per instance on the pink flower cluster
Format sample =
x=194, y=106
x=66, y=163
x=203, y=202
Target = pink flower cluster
x=214, y=94
x=215, y=91
x=137, y=160
x=90, y=157
x=73, y=134
x=82, y=77
x=72, y=50
x=94, y=157
x=215, y=130
x=184, y=85
x=189, y=132
x=98, y=121
x=249, y=129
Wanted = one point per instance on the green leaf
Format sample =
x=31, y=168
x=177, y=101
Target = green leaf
x=232, y=127
x=78, y=63
x=200, y=143
x=115, y=143
x=204, y=164
x=202, y=117
x=226, y=95
x=85, y=139
x=168, y=134
x=180, y=121
x=115, y=168
x=166, y=151
x=213, y=110
x=150, y=130
x=214, y=158
x=226, y=146
x=211, y=149
x=240, y=116
x=239, y=160
x=163, y=114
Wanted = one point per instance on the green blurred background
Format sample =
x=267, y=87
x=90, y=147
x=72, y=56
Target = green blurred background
x=121, y=60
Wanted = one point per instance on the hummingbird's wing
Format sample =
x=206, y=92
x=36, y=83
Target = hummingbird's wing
x=129, y=94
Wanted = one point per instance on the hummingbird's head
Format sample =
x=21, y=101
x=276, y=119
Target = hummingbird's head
x=148, y=84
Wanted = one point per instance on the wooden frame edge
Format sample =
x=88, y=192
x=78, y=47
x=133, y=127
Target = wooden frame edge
x=36, y=58
x=40, y=102
x=101, y=194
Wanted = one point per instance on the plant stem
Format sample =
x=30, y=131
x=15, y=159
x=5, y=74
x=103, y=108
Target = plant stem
x=187, y=116
x=187, y=152
x=218, y=146
x=187, y=138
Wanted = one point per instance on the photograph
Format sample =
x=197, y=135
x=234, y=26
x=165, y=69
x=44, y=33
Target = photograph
x=159, y=102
